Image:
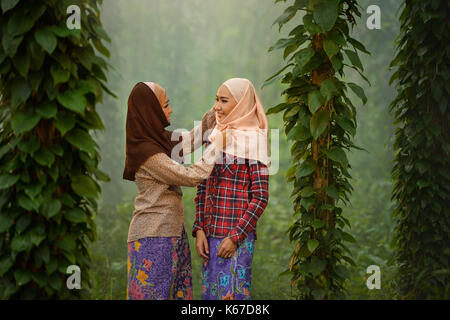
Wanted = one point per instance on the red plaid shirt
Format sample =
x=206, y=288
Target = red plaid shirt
x=230, y=201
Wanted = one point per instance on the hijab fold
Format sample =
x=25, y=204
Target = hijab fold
x=145, y=133
x=246, y=124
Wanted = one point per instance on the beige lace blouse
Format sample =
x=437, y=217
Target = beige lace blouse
x=158, y=206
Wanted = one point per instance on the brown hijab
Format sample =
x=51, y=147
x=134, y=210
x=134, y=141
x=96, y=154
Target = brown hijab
x=145, y=133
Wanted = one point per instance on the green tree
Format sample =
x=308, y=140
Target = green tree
x=421, y=170
x=320, y=120
x=51, y=79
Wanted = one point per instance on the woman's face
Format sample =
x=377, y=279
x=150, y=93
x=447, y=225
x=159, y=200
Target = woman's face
x=167, y=109
x=225, y=102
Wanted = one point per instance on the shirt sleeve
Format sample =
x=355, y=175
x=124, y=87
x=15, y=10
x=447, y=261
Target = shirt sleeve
x=164, y=169
x=259, y=190
x=199, y=208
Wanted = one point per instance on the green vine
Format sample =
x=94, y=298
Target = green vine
x=320, y=120
x=51, y=78
x=421, y=171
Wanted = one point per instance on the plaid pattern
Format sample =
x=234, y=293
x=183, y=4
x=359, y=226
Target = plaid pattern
x=230, y=201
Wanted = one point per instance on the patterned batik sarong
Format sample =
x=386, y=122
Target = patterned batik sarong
x=228, y=279
x=159, y=268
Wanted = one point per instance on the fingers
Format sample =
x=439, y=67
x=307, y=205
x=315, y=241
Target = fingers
x=200, y=246
x=206, y=246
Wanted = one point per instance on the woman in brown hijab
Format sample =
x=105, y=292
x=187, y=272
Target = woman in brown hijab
x=159, y=261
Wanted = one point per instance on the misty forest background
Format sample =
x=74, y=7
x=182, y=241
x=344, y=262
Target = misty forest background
x=191, y=48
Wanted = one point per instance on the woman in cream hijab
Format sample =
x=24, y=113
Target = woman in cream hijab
x=230, y=201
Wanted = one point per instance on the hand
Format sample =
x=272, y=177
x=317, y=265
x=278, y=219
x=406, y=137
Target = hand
x=201, y=244
x=227, y=248
x=209, y=120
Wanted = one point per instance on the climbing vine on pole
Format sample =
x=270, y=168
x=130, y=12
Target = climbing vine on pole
x=51, y=79
x=320, y=120
x=422, y=144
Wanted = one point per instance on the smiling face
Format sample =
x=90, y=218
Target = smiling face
x=225, y=102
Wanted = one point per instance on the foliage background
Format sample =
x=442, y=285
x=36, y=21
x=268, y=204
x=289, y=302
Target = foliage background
x=190, y=47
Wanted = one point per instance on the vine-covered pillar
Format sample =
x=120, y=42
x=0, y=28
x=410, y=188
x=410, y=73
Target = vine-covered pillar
x=421, y=169
x=51, y=78
x=321, y=121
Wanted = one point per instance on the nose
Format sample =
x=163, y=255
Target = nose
x=217, y=107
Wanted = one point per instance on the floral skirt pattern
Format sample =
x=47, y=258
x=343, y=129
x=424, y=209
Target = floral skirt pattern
x=228, y=279
x=159, y=268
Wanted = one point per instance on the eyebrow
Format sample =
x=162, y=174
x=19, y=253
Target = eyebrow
x=222, y=97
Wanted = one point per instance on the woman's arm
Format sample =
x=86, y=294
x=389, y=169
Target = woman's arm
x=194, y=139
x=164, y=169
x=259, y=175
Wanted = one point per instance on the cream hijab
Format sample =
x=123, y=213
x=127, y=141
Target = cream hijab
x=246, y=124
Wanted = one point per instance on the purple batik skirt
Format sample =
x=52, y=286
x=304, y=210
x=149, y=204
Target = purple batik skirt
x=228, y=279
x=159, y=268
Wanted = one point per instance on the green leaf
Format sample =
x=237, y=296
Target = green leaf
x=299, y=132
x=337, y=63
x=51, y=208
x=267, y=81
x=27, y=203
x=315, y=100
x=59, y=75
x=330, y=47
x=358, y=91
x=347, y=125
x=100, y=175
x=310, y=26
x=76, y=215
x=47, y=110
x=277, y=108
x=5, y=264
x=46, y=39
x=21, y=243
x=354, y=59
x=32, y=190
x=358, y=45
x=73, y=100
x=312, y=245
x=7, y=180
x=20, y=91
x=38, y=234
x=305, y=169
x=22, y=223
x=307, y=202
x=287, y=15
x=55, y=281
x=23, y=19
x=21, y=62
x=10, y=44
x=348, y=237
x=328, y=89
x=44, y=157
x=65, y=122
x=317, y=224
x=337, y=154
x=282, y=43
x=318, y=123
x=67, y=243
x=303, y=56
x=8, y=4
x=84, y=186
x=22, y=276
x=81, y=139
x=5, y=223
x=307, y=191
x=326, y=13
x=23, y=121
